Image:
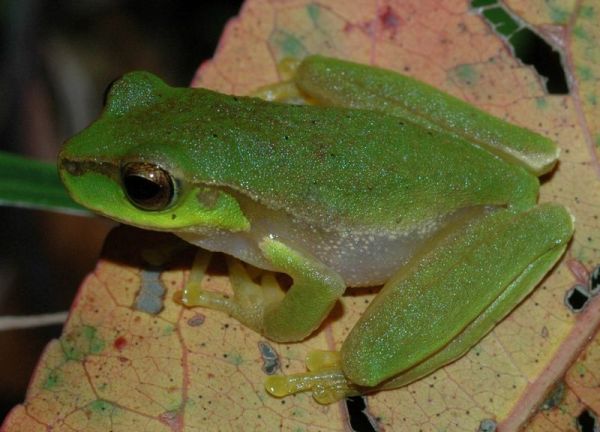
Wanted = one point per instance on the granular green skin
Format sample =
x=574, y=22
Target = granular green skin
x=332, y=167
x=265, y=182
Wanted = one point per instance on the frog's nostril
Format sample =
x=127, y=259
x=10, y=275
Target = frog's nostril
x=71, y=167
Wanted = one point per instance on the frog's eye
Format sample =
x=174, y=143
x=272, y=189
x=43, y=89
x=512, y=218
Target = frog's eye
x=148, y=186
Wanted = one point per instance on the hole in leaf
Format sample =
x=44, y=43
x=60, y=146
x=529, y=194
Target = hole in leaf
x=576, y=298
x=531, y=49
x=481, y=3
x=526, y=44
x=587, y=421
x=595, y=281
x=360, y=420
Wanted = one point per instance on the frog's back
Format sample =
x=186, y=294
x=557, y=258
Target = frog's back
x=355, y=188
x=336, y=167
x=333, y=168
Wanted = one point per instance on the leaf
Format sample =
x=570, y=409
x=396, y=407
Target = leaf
x=33, y=184
x=119, y=367
x=575, y=397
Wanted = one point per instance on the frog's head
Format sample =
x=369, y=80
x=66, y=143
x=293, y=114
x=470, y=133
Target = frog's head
x=117, y=166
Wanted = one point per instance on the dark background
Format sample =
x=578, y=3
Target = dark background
x=56, y=59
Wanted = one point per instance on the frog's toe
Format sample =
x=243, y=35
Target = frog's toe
x=193, y=294
x=325, y=380
x=248, y=313
x=249, y=298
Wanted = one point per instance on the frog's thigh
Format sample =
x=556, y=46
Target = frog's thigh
x=313, y=293
x=449, y=297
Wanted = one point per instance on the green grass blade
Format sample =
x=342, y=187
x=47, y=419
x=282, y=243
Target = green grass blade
x=33, y=184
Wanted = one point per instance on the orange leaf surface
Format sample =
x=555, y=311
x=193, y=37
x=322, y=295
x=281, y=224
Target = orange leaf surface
x=132, y=359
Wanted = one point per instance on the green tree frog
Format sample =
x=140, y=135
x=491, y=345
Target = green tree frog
x=383, y=180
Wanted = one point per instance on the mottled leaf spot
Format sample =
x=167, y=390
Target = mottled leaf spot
x=150, y=296
x=269, y=357
x=314, y=12
x=197, y=320
x=289, y=44
x=389, y=18
x=587, y=11
x=120, y=343
x=53, y=379
x=580, y=33
x=102, y=407
x=234, y=358
x=80, y=342
x=541, y=103
x=487, y=425
x=466, y=74
x=554, y=398
x=172, y=419
x=585, y=73
x=557, y=13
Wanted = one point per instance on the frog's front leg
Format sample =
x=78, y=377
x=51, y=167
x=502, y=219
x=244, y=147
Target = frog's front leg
x=283, y=318
x=442, y=303
x=309, y=300
x=247, y=304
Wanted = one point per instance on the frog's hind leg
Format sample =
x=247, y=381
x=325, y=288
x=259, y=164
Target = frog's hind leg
x=324, y=379
x=440, y=304
x=454, y=293
x=249, y=297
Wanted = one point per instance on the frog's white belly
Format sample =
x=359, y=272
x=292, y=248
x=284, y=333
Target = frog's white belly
x=362, y=259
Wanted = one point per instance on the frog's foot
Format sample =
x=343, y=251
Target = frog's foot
x=264, y=307
x=325, y=379
x=249, y=298
x=286, y=90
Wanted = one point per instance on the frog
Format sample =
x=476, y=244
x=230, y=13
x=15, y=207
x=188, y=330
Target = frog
x=354, y=176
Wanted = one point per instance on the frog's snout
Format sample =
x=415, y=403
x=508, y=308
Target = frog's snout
x=70, y=167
